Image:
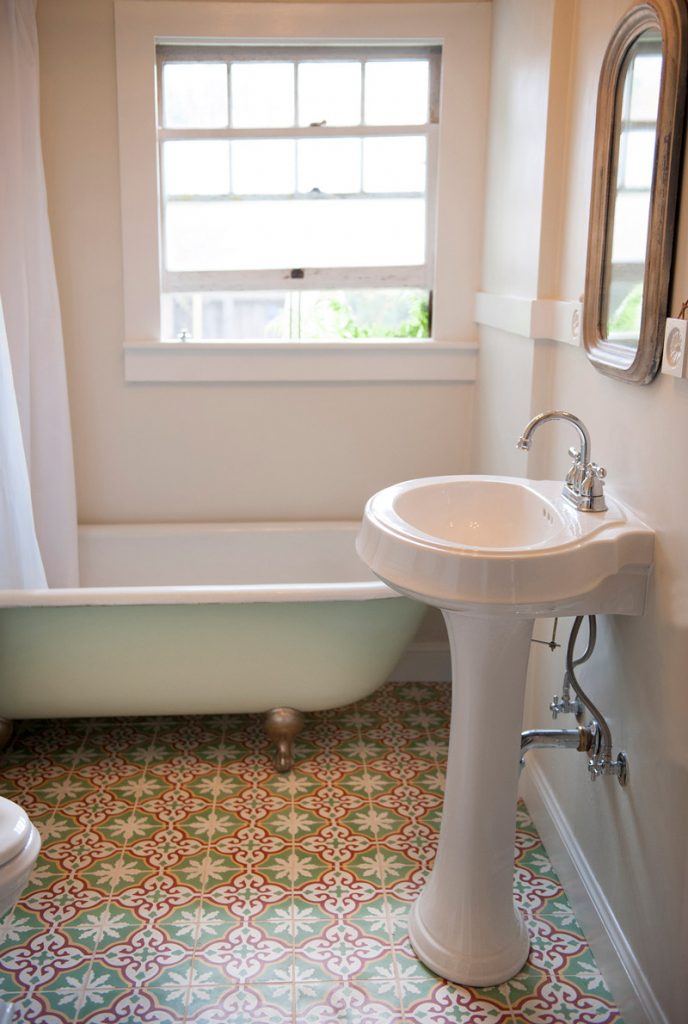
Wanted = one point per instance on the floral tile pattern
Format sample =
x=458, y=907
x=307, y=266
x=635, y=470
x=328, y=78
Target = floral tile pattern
x=182, y=880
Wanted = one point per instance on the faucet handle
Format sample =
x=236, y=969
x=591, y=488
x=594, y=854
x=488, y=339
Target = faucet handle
x=592, y=487
x=574, y=453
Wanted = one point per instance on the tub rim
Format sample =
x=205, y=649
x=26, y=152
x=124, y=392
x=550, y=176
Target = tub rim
x=197, y=594
x=259, y=593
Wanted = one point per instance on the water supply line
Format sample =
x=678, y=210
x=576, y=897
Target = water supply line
x=594, y=738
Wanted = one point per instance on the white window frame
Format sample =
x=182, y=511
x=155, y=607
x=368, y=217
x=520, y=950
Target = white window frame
x=462, y=30
x=307, y=278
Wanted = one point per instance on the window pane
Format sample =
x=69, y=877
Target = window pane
x=394, y=165
x=263, y=167
x=263, y=95
x=630, y=227
x=196, y=168
x=364, y=313
x=625, y=301
x=329, y=165
x=295, y=233
x=396, y=92
x=647, y=74
x=356, y=313
x=637, y=159
x=330, y=93
x=195, y=95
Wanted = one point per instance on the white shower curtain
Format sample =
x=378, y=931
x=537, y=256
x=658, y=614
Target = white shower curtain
x=21, y=566
x=28, y=291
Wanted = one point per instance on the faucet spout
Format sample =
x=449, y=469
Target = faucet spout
x=584, y=484
x=525, y=441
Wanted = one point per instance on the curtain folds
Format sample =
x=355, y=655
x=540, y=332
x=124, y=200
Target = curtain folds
x=28, y=290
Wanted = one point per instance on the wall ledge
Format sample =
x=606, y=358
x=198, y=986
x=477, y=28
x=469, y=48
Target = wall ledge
x=541, y=319
x=303, y=361
x=616, y=959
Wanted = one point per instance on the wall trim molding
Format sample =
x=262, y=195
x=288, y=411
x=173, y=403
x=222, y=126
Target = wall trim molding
x=615, y=957
x=541, y=319
x=268, y=361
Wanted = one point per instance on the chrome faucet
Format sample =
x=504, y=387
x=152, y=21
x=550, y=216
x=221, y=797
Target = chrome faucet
x=584, y=483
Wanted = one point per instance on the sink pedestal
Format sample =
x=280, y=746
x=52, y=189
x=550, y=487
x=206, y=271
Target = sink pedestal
x=493, y=553
x=464, y=925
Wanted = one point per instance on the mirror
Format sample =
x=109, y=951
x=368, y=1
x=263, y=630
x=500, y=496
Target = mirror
x=636, y=170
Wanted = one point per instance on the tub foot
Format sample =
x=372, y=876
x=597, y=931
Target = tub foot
x=282, y=726
x=6, y=730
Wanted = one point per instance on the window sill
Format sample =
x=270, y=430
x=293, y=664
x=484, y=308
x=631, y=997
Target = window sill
x=303, y=361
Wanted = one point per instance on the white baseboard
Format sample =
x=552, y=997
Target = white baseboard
x=426, y=661
x=615, y=958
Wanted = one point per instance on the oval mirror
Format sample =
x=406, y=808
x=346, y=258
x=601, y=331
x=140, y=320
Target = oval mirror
x=636, y=169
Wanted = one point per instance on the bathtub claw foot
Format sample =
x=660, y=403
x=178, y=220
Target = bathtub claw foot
x=6, y=730
x=282, y=726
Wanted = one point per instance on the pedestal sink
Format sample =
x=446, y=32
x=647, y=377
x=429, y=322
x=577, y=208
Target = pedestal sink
x=493, y=553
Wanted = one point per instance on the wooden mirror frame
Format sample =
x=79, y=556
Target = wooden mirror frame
x=614, y=359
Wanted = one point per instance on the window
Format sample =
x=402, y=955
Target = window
x=294, y=190
x=249, y=315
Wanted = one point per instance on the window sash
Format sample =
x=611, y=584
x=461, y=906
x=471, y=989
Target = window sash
x=302, y=278
x=298, y=279
x=184, y=53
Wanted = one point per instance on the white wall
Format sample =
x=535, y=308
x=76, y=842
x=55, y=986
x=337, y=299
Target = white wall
x=202, y=452
x=632, y=842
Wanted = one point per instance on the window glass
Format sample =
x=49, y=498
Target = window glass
x=394, y=164
x=396, y=92
x=329, y=165
x=294, y=233
x=353, y=313
x=264, y=167
x=636, y=162
x=645, y=82
x=263, y=95
x=196, y=168
x=195, y=95
x=330, y=93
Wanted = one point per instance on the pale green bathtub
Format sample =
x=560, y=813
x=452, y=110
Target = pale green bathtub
x=203, y=619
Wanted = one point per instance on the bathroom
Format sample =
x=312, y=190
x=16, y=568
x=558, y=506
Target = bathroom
x=266, y=447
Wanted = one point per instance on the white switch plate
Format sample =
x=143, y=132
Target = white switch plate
x=674, y=359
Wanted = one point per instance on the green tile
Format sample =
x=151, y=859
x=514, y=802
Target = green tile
x=343, y=1004
x=374, y=822
x=197, y=923
x=293, y=868
x=103, y=926
x=85, y=989
x=117, y=873
x=293, y=921
x=583, y=972
x=384, y=918
x=293, y=823
x=382, y=866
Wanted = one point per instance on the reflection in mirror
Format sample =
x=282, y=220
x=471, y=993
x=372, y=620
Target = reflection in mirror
x=635, y=181
x=630, y=211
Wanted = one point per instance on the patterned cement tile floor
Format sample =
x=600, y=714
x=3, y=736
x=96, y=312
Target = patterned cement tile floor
x=182, y=880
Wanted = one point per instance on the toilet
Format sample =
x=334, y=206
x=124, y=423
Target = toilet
x=20, y=844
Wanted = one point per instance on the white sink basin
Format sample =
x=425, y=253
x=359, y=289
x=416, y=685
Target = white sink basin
x=506, y=545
